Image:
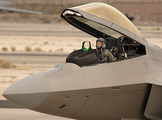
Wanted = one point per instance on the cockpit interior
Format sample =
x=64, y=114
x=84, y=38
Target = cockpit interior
x=125, y=48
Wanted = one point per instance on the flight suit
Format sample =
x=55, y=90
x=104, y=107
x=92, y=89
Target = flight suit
x=106, y=56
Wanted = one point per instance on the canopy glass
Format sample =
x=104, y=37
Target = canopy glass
x=99, y=27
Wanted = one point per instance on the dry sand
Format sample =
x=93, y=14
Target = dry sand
x=47, y=44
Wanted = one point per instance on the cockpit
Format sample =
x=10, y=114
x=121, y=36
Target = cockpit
x=125, y=48
x=121, y=45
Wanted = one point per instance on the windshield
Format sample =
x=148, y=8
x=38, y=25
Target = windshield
x=99, y=27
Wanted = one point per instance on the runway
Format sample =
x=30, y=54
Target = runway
x=40, y=30
x=43, y=33
x=147, y=34
x=24, y=114
x=33, y=58
x=9, y=111
x=7, y=104
x=63, y=30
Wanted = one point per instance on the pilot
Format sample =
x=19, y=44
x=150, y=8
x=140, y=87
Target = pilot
x=104, y=55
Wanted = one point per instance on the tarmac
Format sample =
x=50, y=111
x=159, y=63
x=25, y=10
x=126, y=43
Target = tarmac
x=40, y=30
x=64, y=30
x=24, y=114
x=34, y=58
x=10, y=111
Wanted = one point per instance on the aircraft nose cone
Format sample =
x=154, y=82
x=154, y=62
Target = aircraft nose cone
x=28, y=92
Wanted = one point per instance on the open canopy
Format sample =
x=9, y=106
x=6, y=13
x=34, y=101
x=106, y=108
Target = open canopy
x=102, y=20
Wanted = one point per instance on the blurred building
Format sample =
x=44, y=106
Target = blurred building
x=145, y=11
x=149, y=11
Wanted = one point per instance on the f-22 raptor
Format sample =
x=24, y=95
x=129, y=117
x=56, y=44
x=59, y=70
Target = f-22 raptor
x=83, y=89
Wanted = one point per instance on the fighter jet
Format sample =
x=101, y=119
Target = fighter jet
x=85, y=89
x=4, y=6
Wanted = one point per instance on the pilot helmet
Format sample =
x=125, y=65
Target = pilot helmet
x=103, y=43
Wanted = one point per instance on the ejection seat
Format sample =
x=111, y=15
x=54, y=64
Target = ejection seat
x=112, y=43
x=83, y=57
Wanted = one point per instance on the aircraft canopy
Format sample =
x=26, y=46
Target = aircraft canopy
x=102, y=20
